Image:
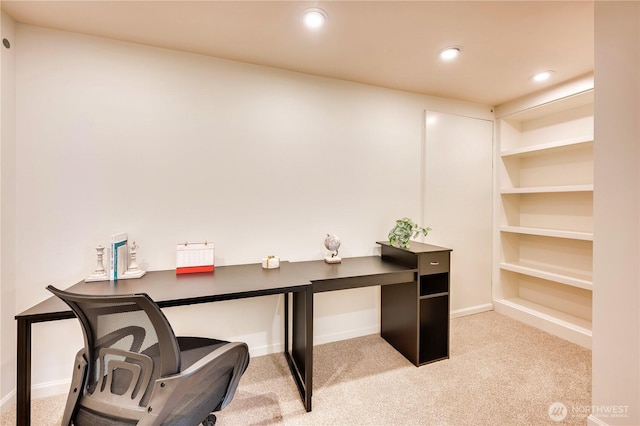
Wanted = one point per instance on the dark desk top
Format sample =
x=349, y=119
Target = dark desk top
x=168, y=289
x=353, y=272
x=234, y=282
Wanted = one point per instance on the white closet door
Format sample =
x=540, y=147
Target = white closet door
x=457, y=203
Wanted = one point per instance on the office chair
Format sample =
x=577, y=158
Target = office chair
x=133, y=370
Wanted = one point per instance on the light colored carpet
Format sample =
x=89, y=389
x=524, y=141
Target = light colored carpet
x=500, y=372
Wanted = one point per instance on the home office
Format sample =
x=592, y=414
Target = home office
x=258, y=159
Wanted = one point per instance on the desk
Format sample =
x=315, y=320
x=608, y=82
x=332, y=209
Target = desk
x=297, y=281
x=353, y=272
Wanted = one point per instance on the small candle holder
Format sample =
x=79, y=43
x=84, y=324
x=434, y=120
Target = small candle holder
x=271, y=262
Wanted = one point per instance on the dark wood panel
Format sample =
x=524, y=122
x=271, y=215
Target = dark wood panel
x=399, y=256
x=351, y=267
x=433, y=263
x=299, y=344
x=416, y=247
x=367, y=281
x=434, y=284
x=353, y=272
x=434, y=329
x=399, y=318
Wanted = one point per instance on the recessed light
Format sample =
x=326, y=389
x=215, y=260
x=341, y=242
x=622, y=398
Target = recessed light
x=450, y=53
x=542, y=76
x=314, y=18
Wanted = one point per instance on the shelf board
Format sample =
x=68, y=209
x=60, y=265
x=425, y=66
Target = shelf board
x=569, y=327
x=548, y=189
x=542, y=148
x=576, y=93
x=574, y=235
x=550, y=273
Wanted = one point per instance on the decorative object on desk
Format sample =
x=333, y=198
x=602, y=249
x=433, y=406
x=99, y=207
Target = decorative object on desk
x=195, y=257
x=271, y=262
x=403, y=230
x=119, y=256
x=100, y=274
x=133, y=271
x=332, y=243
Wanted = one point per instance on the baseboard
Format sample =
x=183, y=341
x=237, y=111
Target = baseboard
x=266, y=349
x=41, y=390
x=8, y=401
x=56, y=387
x=569, y=328
x=594, y=421
x=351, y=334
x=471, y=310
x=317, y=340
x=344, y=335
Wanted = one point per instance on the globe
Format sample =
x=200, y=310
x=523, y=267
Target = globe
x=332, y=242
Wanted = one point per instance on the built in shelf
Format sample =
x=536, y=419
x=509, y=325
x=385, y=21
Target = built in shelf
x=571, y=327
x=544, y=148
x=556, y=233
x=551, y=273
x=430, y=296
x=537, y=106
x=545, y=190
x=548, y=189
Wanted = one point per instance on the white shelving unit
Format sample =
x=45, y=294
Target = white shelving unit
x=543, y=271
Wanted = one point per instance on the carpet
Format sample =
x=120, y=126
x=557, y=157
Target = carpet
x=500, y=372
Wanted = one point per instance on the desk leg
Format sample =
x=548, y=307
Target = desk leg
x=286, y=323
x=23, y=388
x=300, y=359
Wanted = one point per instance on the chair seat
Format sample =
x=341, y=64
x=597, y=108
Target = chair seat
x=193, y=349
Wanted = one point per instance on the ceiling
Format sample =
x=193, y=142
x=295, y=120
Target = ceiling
x=391, y=44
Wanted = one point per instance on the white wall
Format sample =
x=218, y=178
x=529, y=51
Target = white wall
x=170, y=146
x=7, y=212
x=458, y=181
x=616, y=289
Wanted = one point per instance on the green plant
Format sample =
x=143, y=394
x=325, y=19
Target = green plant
x=405, y=229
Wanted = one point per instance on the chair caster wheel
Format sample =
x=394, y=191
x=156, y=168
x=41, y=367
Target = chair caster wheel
x=210, y=420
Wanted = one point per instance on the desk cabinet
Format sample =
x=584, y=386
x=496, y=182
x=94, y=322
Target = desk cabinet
x=415, y=315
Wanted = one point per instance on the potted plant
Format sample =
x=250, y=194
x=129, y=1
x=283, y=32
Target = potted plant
x=403, y=230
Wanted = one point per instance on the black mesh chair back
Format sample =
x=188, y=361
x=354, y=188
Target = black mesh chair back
x=134, y=370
